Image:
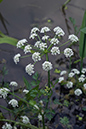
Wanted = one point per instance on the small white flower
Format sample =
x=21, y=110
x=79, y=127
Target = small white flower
x=13, y=102
x=4, y=92
x=60, y=79
x=83, y=70
x=55, y=50
x=73, y=38
x=13, y=83
x=14, y=127
x=68, y=52
x=25, y=119
x=34, y=30
x=29, y=69
x=75, y=71
x=27, y=49
x=63, y=72
x=84, y=85
x=78, y=92
x=58, y=31
x=32, y=36
x=26, y=91
x=37, y=44
x=41, y=102
x=36, y=56
x=36, y=107
x=40, y=117
x=54, y=41
x=71, y=74
x=81, y=78
x=45, y=37
x=21, y=43
x=69, y=84
x=7, y=126
x=47, y=66
x=42, y=46
x=16, y=58
x=44, y=29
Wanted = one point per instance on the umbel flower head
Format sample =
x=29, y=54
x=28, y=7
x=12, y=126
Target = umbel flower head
x=29, y=69
x=7, y=126
x=27, y=49
x=47, y=66
x=73, y=38
x=68, y=52
x=13, y=83
x=4, y=92
x=21, y=43
x=78, y=92
x=13, y=102
x=36, y=56
x=58, y=31
x=16, y=58
x=25, y=119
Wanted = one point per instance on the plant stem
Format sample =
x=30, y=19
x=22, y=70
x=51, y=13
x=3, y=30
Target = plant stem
x=19, y=123
x=70, y=64
x=43, y=121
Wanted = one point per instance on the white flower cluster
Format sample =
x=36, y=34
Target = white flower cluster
x=32, y=36
x=7, y=126
x=82, y=78
x=44, y=29
x=43, y=46
x=21, y=43
x=36, y=107
x=69, y=84
x=34, y=30
x=13, y=83
x=4, y=92
x=54, y=41
x=29, y=69
x=58, y=31
x=26, y=91
x=68, y=52
x=40, y=117
x=63, y=72
x=84, y=86
x=36, y=56
x=37, y=44
x=78, y=92
x=47, y=66
x=61, y=79
x=27, y=49
x=83, y=70
x=13, y=102
x=25, y=119
x=73, y=38
x=55, y=50
x=73, y=72
x=45, y=37
x=16, y=58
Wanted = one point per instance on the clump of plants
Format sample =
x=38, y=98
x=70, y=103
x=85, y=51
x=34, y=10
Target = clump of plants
x=33, y=102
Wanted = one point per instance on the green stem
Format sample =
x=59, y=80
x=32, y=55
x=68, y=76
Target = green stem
x=6, y=108
x=70, y=64
x=25, y=56
x=43, y=121
x=81, y=65
x=19, y=98
x=19, y=123
x=64, y=43
x=66, y=3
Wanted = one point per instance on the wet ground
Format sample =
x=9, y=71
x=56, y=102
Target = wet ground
x=21, y=16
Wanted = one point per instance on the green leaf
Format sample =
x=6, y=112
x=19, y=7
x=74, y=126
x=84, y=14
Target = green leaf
x=83, y=30
x=84, y=108
x=32, y=102
x=7, y=39
x=27, y=84
x=57, y=102
x=57, y=71
x=82, y=40
x=35, y=76
x=1, y=1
